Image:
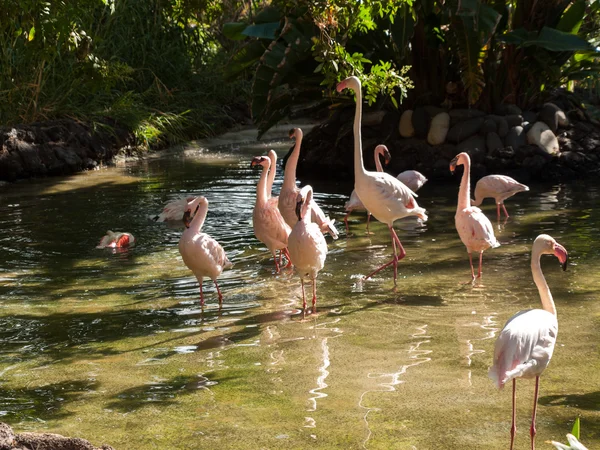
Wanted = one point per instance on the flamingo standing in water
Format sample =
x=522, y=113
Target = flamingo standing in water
x=202, y=254
x=386, y=197
x=411, y=178
x=269, y=226
x=498, y=187
x=289, y=193
x=307, y=245
x=474, y=228
x=116, y=239
x=525, y=344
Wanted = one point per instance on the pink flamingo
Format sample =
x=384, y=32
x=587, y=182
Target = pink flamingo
x=202, y=254
x=412, y=179
x=269, y=226
x=116, y=239
x=173, y=210
x=474, y=228
x=387, y=198
x=499, y=187
x=307, y=245
x=525, y=344
x=289, y=192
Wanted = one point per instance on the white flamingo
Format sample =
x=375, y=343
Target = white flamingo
x=289, y=192
x=525, y=344
x=498, y=187
x=474, y=228
x=202, y=254
x=269, y=226
x=411, y=178
x=173, y=210
x=116, y=239
x=307, y=245
x=384, y=196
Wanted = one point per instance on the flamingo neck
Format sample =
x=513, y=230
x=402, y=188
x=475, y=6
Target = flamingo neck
x=540, y=282
x=306, y=209
x=289, y=177
x=261, y=187
x=465, y=187
x=378, y=161
x=359, y=167
x=198, y=220
x=271, y=178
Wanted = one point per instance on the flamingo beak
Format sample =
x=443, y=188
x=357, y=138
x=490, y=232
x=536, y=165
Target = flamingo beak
x=299, y=208
x=341, y=86
x=187, y=218
x=453, y=164
x=291, y=133
x=561, y=253
x=256, y=161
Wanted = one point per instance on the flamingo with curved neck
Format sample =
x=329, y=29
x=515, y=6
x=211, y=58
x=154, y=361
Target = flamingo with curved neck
x=289, y=192
x=354, y=203
x=307, y=245
x=269, y=226
x=386, y=197
x=525, y=345
x=202, y=254
x=474, y=228
x=499, y=187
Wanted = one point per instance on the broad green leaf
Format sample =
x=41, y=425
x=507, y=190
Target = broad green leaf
x=571, y=20
x=31, y=34
x=576, y=428
x=549, y=38
x=233, y=30
x=262, y=31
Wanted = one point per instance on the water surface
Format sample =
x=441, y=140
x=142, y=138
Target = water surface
x=113, y=346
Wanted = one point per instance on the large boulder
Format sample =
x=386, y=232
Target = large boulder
x=406, y=128
x=438, y=129
x=542, y=136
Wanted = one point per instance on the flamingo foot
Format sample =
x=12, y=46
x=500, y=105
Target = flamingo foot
x=287, y=255
x=394, y=260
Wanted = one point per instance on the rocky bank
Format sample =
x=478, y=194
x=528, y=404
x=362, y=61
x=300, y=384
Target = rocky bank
x=9, y=440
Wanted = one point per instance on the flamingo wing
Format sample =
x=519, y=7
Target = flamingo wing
x=324, y=222
x=481, y=228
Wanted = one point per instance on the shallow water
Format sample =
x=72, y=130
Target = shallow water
x=113, y=346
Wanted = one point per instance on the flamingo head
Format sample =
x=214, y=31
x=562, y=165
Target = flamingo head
x=459, y=160
x=383, y=150
x=349, y=83
x=260, y=161
x=193, y=205
x=549, y=246
x=304, y=196
x=295, y=133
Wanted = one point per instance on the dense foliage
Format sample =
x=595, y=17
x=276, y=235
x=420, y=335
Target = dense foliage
x=460, y=52
x=152, y=65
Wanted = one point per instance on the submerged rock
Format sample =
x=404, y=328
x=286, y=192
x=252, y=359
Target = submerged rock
x=42, y=441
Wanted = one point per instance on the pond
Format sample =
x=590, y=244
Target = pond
x=114, y=347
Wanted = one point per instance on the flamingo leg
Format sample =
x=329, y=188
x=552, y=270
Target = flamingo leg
x=368, y=220
x=532, y=430
x=498, y=210
x=505, y=211
x=346, y=222
x=303, y=298
x=480, y=264
x=397, y=257
x=201, y=295
x=472, y=269
x=219, y=292
x=287, y=255
x=513, y=426
x=276, y=264
x=314, y=299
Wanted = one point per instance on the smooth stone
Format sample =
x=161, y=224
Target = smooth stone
x=438, y=129
x=507, y=109
x=542, y=136
x=516, y=137
x=489, y=126
x=406, y=127
x=464, y=130
x=475, y=146
x=460, y=115
x=549, y=115
x=514, y=120
x=530, y=116
x=493, y=142
x=373, y=118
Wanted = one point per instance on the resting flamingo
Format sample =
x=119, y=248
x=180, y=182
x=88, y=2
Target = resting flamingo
x=411, y=178
x=173, y=210
x=116, y=239
x=498, y=187
x=202, y=254
x=307, y=245
x=269, y=226
x=289, y=192
x=474, y=228
x=525, y=344
x=386, y=197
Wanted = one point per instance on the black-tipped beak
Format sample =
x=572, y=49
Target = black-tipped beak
x=291, y=133
x=187, y=218
x=564, y=265
x=453, y=165
x=299, y=210
x=256, y=161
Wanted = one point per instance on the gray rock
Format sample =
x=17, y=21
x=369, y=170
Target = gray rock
x=460, y=115
x=70, y=157
x=438, y=129
x=569, y=145
x=514, y=120
x=433, y=111
x=7, y=437
x=549, y=115
x=590, y=144
x=493, y=142
x=463, y=130
x=406, y=127
x=489, y=126
x=373, y=118
x=420, y=121
x=541, y=135
x=506, y=109
x=530, y=116
x=516, y=137
x=30, y=157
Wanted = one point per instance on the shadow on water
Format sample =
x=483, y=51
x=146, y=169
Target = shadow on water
x=589, y=401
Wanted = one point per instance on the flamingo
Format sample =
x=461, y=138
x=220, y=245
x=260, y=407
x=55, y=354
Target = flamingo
x=574, y=444
x=289, y=192
x=474, y=228
x=202, y=254
x=269, y=226
x=411, y=178
x=525, y=344
x=116, y=239
x=173, y=210
x=307, y=245
x=386, y=197
x=499, y=187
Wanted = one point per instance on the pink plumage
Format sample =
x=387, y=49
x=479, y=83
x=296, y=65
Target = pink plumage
x=116, y=239
x=498, y=187
x=173, y=210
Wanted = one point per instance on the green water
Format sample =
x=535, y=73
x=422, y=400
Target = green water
x=114, y=348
